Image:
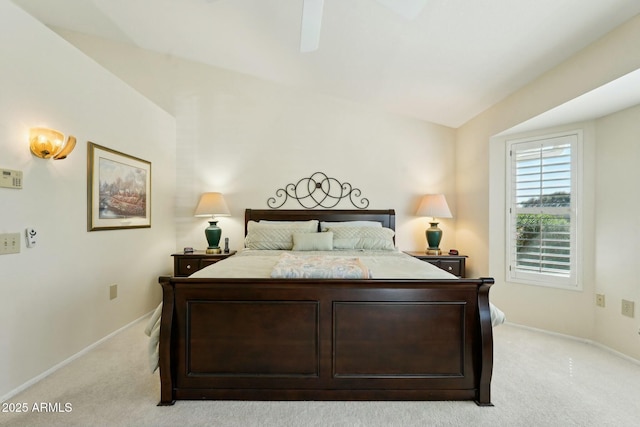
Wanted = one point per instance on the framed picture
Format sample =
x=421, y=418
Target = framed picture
x=119, y=190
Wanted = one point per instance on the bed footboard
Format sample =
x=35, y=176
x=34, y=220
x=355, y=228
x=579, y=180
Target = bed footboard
x=270, y=339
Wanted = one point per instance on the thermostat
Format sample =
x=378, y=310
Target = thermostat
x=11, y=179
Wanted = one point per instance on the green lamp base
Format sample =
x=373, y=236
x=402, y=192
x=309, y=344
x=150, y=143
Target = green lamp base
x=213, y=233
x=434, y=236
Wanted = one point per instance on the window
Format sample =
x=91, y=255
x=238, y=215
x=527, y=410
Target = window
x=542, y=217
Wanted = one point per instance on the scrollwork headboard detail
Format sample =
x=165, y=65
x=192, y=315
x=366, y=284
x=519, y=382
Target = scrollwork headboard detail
x=318, y=191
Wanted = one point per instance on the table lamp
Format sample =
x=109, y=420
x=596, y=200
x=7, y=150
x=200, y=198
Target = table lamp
x=212, y=204
x=434, y=205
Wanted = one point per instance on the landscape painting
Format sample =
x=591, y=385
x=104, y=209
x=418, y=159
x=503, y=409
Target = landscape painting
x=119, y=190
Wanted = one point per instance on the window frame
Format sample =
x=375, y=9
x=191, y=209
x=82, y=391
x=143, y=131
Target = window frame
x=573, y=280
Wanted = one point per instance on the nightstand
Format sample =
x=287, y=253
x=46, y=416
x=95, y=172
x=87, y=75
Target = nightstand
x=454, y=264
x=186, y=264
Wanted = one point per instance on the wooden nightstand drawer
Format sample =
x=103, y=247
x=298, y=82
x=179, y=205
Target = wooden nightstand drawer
x=451, y=266
x=187, y=264
x=454, y=264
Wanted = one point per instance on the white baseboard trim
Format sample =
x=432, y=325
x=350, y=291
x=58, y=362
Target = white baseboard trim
x=583, y=340
x=70, y=359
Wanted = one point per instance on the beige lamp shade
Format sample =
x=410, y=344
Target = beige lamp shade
x=434, y=205
x=212, y=204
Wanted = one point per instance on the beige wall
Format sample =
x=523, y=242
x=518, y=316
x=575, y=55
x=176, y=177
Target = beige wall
x=247, y=138
x=481, y=205
x=55, y=296
x=617, y=235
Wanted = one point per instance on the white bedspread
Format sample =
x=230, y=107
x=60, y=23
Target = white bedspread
x=381, y=264
x=153, y=332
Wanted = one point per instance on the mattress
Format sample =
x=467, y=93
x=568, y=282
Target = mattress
x=251, y=263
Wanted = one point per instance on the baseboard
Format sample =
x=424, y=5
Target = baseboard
x=583, y=340
x=70, y=359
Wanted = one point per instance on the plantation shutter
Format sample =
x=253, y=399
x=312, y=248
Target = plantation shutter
x=542, y=225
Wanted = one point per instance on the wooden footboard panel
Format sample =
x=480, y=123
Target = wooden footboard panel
x=390, y=340
x=269, y=339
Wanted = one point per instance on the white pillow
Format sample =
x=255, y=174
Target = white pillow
x=363, y=238
x=276, y=235
x=326, y=224
x=313, y=241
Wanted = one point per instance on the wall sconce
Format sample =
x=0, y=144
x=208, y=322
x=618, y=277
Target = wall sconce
x=46, y=143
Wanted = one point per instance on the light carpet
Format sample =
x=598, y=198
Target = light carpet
x=538, y=380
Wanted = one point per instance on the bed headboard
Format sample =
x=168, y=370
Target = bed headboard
x=386, y=217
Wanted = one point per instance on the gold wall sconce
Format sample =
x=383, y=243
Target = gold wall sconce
x=46, y=143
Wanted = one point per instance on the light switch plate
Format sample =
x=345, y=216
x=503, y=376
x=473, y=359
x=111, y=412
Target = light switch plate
x=9, y=243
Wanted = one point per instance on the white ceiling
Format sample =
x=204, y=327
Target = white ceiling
x=451, y=62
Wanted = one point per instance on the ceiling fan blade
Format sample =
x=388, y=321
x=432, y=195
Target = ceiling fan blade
x=408, y=9
x=311, y=23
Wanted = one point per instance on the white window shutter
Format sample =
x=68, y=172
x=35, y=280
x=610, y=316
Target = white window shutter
x=542, y=198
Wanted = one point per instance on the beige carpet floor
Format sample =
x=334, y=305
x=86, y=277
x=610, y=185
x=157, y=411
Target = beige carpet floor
x=539, y=380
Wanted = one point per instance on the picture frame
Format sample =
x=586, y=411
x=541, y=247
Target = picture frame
x=118, y=190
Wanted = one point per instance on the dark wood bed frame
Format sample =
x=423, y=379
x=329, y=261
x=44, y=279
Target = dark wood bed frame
x=307, y=339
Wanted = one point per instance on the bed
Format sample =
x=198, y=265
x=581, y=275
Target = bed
x=375, y=338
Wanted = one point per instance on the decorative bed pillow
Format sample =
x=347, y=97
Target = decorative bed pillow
x=319, y=267
x=332, y=224
x=276, y=235
x=363, y=238
x=313, y=241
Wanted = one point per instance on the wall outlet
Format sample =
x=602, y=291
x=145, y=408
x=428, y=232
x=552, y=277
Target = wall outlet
x=113, y=291
x=31, y=236
x=627, y=308
x=600, y=300
x=10, y=243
